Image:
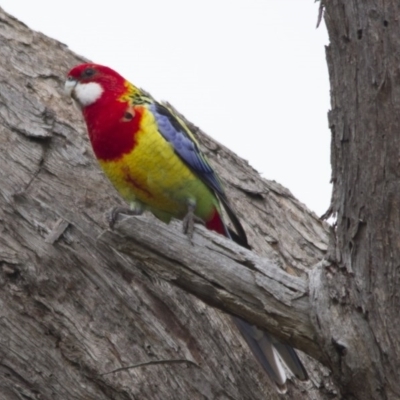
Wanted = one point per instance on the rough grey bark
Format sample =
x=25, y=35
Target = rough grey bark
x=77, y=301
x=222, y=274
x=361, y=287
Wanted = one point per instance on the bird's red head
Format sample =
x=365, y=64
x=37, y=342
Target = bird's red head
x=87, y=83
x=102, y=96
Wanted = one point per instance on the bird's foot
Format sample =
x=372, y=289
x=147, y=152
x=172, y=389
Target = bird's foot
x=112, y=216
x=189, y=220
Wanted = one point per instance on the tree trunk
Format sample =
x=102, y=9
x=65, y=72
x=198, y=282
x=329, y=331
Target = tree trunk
x=360, y=333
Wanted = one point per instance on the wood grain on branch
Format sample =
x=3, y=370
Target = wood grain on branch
x=222, y=274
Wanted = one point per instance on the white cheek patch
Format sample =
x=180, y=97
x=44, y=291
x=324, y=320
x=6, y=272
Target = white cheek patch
x=88, y=93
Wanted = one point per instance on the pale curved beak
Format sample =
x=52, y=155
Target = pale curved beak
x=69, y=85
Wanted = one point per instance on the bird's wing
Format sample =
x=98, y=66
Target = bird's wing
x=185, y=145
x=175, y=131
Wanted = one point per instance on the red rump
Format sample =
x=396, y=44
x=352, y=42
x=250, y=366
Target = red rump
x=215, y=223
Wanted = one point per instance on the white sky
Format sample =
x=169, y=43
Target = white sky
x=250, y=73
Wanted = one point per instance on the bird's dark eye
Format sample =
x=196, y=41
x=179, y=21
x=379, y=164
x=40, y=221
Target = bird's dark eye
x=88, y=72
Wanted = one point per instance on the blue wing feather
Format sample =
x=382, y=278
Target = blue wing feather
x=178, y=134
x=185, y=146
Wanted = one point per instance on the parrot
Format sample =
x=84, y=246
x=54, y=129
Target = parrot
x=152, y=158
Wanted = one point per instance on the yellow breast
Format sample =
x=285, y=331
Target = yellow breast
x=153, y=174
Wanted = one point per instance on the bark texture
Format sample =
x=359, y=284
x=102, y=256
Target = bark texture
x=362, y=284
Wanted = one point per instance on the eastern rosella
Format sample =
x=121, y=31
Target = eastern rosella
x=154, y=161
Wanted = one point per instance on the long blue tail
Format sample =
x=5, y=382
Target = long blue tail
x=268, y=351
